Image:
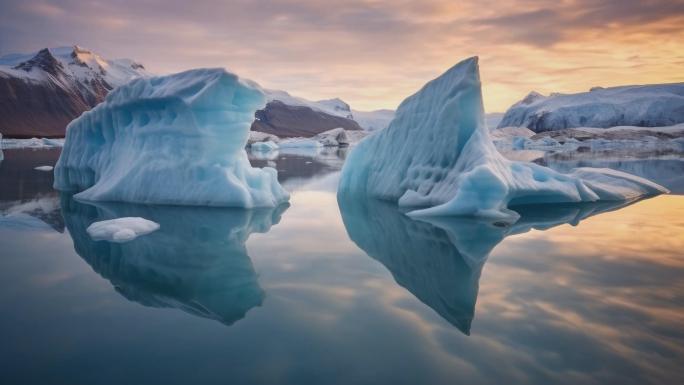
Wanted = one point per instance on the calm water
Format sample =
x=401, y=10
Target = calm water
x=331, y=292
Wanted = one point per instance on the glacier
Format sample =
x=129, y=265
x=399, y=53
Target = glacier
x=437, y=158
x=176, y=139
x=654, y=105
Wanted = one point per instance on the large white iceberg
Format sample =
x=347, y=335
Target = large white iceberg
x=438, y=158
x=644, y=106
x=176, y=139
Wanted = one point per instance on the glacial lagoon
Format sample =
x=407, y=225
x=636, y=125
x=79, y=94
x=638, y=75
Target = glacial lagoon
x=323, y=290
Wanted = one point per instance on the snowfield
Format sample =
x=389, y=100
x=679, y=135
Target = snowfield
x=437, y=157
x=176, y=139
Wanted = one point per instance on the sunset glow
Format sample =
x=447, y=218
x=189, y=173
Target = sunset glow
x=373, y=53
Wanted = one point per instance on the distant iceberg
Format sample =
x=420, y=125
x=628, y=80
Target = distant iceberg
x=437, y=157
x=654, y=105
x=176, y=139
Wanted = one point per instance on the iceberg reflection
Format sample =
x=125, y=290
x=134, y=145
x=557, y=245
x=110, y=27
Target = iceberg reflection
x=197, y=261
x=439, y=260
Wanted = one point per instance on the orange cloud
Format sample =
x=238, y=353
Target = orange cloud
x=374, y=53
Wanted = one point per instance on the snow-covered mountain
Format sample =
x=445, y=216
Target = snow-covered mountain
x=41, y=92
x=642, y=105
x=287, y=116
x=336, y=106
x=373, y=120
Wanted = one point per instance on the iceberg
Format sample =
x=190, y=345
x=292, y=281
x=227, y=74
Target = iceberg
x=121, y=229
x=300, y=143
x=653, y=105
x=437, y=157
x=176, y=139
x=264, y=146
x=337, y=137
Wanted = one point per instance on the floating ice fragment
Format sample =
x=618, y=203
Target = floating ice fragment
x=121, y=229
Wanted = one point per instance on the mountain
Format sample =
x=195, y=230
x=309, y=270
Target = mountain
x=373, y=120
x=289, y=116
x=652, y=105
x=41, y=92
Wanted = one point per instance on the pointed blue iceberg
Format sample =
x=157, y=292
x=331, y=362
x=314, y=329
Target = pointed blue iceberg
x=437, y=158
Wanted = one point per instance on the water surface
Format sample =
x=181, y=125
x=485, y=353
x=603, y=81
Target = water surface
x=348, y=292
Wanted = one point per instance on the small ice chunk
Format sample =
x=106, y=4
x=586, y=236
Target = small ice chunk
x=121, y=229
x=264, y=146
x=300, y=143
x=44, y=168
x=337, y=137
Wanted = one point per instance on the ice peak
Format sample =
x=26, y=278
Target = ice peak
x=78, y=49
x=87, y=58
x=43, y=60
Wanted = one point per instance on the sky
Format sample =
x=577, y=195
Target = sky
x=372, y=53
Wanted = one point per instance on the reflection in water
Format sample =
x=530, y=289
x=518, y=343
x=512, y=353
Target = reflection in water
x=196, y=261
x=667, y=171
x=26, y=195
x=440, y=261
x=19, y=181
x=43, y=209
x=296, y=168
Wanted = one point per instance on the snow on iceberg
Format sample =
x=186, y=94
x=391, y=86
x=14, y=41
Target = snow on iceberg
x=121, y=229
x=176, y=139
x=645, y=106
x=437, y=156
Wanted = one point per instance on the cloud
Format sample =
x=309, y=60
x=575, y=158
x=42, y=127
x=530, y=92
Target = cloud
x=372, y=53
x=558, y=22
